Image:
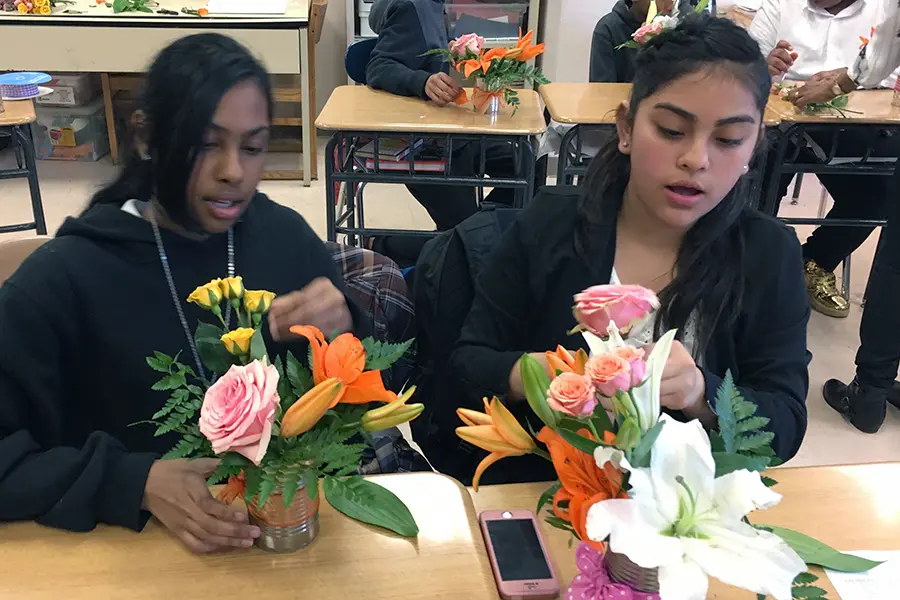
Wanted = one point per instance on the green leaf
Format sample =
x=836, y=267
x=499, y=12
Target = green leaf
x=751, y=424
x=640, y=455
x=177, y=398
x=230, y=466
x=814, y=552
x=121, y=5
x=170, y=382
x=726, y=397
x=728, y=462
x=266, y=487
x=252, y=479
x=215, y=357
x=536, y=383
x=381, y=355
x=768, y=481
x=808, y=592
x=558, y=523
x=300, y=378
x=312, y=487
x=547, y=497
x=601, y=421
x=805, y=578
x=183, y=449
x=160, y=362
x=289, y=484
x=756, y=441
x=841, y=101
x=580, y=442
x=370, y=503
x=258, y=345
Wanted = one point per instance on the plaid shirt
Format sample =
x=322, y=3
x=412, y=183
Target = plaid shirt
x=377, y=286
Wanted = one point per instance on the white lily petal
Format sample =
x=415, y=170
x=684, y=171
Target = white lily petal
x=646, y=395
x=739, y=555
x=611, y=454
x=685, y=581
x=615, y=338
x=741, y=492
x=682, y=449
x=633, y=530
x=595, y=344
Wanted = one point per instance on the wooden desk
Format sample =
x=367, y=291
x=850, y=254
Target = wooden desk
x=738, y=16
x=17, y=116
x=348, y=560
x=359, y=108
x=873, y=106
x=849, y=508
x=355, y=112
x=99, y=41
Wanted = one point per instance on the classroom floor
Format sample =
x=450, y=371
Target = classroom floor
x=66, y=188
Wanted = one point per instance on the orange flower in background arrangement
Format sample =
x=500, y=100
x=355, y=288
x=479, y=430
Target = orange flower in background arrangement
x=525, y=50
x=495, y=430
x=345, y=359
x=583, y=482
x=563, y=361
x=864, y=41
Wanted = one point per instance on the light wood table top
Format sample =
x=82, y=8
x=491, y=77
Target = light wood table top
x=738, y=16
x=359, y=108
x=849, y=508
x=17, y=112
x=874, y=106
x=348, y=560
x=596, y=103
x=93, y=14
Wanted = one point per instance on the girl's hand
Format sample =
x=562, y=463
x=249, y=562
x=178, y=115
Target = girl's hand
x=320, y=304
x=682, y=385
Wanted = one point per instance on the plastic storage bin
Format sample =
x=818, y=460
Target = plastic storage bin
x=71, y=133
x=495, y=21
x=71, y=89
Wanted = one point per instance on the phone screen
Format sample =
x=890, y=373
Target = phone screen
x=518, y=550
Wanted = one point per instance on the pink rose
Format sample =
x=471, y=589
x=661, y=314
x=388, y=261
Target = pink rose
x=239, y=409
x=635, y=358
x=645, y=32
x=609, y=373
x=625, y=305
x=470, y=41
x=572, y=394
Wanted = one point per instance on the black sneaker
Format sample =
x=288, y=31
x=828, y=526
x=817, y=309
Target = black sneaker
x=864, y=406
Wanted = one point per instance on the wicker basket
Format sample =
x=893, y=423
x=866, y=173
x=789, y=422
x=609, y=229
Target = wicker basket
x=622, y=570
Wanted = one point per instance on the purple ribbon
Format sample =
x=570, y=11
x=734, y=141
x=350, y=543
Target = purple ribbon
x=15, y=92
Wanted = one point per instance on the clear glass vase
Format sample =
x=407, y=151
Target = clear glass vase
x=288, y=528
x=485, y=101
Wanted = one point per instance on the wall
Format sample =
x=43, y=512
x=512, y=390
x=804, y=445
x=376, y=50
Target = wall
x=568, y=27
x=330, y=71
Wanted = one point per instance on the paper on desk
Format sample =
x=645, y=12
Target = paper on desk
x=882, y=582
x=243, y=7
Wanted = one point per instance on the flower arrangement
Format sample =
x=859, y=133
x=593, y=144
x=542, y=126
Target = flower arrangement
x=838, y=104
x=638, y=488
x=275, y=424
x=494, y=71
x=656, y=24
x=33, y=7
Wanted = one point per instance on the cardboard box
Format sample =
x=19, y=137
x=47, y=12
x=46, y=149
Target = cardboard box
x=72, y=89
x=76, y=133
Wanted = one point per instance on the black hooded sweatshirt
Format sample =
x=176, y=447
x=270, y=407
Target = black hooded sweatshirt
x=78, y=320
x=609, y=65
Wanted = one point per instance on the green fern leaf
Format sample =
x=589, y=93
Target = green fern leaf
x=381, y=355
x=159, y=362
x=808, y=592
x=185, y=448
x=755, y=442
x=172, y=381
x=752, y=424
x=805, y=578
x=289, y=483
x=726, y=399
x=175, y=400
x=299, y=376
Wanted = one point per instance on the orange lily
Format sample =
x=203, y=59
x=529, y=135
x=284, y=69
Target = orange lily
x=232, y=490
x=562, y=361
x=495, y=430
x=525, y=50
x=583, y=482
x=345, y=359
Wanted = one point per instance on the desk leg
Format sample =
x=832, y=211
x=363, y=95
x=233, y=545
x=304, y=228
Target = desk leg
x=37, y=207
x=562, y=165
x=110, y=118
x=330, y=205
x=309, y=127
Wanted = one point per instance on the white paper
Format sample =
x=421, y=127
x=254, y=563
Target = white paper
x=880, y=583
x=243, y=7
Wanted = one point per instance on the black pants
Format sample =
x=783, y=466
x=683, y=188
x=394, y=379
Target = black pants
x=878, y=357
x=855, y=196
x=450, y=205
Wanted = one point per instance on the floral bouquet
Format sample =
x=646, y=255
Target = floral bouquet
x=277, y=425
x=837, y=105
x=657, y=504
x=656, y=24
x=33, y=7
x=495, y=71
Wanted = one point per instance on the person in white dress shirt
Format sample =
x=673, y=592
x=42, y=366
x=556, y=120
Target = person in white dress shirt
x=801, y=38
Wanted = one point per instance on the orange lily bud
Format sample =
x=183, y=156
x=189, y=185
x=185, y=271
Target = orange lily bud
x=403, y=414
x=306, y=412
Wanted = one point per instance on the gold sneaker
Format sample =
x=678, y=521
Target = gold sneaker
x=824, y=296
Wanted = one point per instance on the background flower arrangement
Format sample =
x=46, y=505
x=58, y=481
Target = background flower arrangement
x=494, y=71
x=656, y=24
x=275, y=424
x=658, y=505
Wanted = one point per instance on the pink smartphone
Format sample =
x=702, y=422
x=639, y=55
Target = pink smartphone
x=519, y=557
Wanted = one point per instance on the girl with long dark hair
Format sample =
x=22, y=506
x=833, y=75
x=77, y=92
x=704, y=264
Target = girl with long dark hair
x=662, y=207
x=82, y=313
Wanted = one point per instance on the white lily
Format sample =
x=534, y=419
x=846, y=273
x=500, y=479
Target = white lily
x=646, y=396
x=682, y=519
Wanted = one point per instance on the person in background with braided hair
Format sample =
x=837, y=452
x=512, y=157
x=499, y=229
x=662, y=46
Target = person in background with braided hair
x=662, y=207
x=83, y=312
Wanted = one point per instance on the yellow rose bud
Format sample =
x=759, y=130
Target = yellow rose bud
x=237, y=342
x=207, y=296
x=44, y=10
x=232, y=287
x=22, y=8
x=258, y=302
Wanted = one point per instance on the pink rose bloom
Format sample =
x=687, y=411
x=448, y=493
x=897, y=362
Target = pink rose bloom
x=625, y=305
x=645, y=32
x=609, y=373
x=239, y=409
x=635, y=358
x=572, y=394
x=470, y=41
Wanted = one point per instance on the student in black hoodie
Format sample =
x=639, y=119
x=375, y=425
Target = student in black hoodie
x=82, y=313
x=609, y=65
